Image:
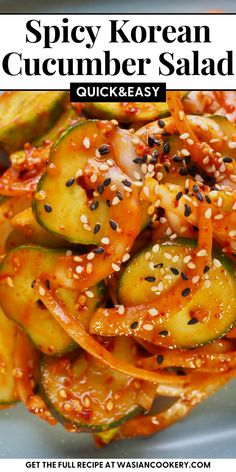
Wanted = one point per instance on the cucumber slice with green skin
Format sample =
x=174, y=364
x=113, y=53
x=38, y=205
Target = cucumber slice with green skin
x=19, y=302
x=25, y=116
x=211, y=311
x=67, y=118
x=65, y=202
x=88, y=395
x=128, y=112
x=7, y=344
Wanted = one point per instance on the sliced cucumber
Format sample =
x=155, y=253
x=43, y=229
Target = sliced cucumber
x=211, y=311
x=67, y=118
x=7, y=343
x=68, y=202
x=19, y=302
x=229, y=130
x=85, y=393
x=128, y=112
x=24, y=116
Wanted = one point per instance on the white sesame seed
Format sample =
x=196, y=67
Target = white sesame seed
x=208, y=213
x=232, y=233
x=184, y=136
x=97, y=153
x=79, y=269
x=105, y=241
x=109, y=405
x=87, y=227
x=148, y=327
x=181, y=115
x=89, y=294
x=78, y=173
x=41, y=195
x=216, y=263
x=153, y=311
x=120, y=309
x=187, y=259
x=202, y=253
x=232, y=144
x=147, y=256
x=159, y=176
x=219, y=216
x=110, y=162
x=156, y=248
x=10, y=282
x=185, y=152
x=84, y=219
x=234, y=206
x=191, y=265
x=86, y=143
x=160, y=286
x=115, y=267
x=126, y=257
x=78, y=259
x=103, y=167
x=206, y=160
x=146, y=191
x=163, y=220
x=175, y=258
x=195, y=279
x=113, y=187
x=137, y=175
x=207, y=283
x=167, y=255
x=93, y=178
x=115, y=201
x=219, y=202
x=190, y=142
x=90, y=256
x=68, y=253
x=144, y=168
x=41, y=291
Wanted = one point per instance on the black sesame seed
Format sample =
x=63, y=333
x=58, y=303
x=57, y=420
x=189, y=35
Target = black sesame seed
x=100, y=189
x=47, y=208
x=41, y=304
x=70, y=182
x=192, y=170
x=166, y=168
x=104, y=149
x=178, y=196
x=145, y=157
x=160, y=359
x=186, y=191
x=193, y=321
x=47, y=283
x=151, y=141
x=108, y=203
x=206, y=269
x=158, y=266
x=183, y=171
x=150, y=279
x=134, y=325
x=195, y=188
x=209, y=180
x=126, y=183
x=184, y=276
x=177, y=159
x=161, y=124
x=180, y=372
x=185, y=292
x=163, y=333
x=195, y=228
x=99, y=250
x=166, y=148
x=187, y=210
x=174, y=271
x=199, y=197
x=119, y=195
x=187, y=160
x=94, y=205
x=107, y=182
x=113, y=225
x=160, y=212
x=33, y=284
x=208, y=200
x=138, y=160
x=227, y=160
x=96, y=228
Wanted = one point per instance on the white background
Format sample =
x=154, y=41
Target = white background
x=223, y=36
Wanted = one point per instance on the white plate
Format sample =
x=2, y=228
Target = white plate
x=210, y=430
